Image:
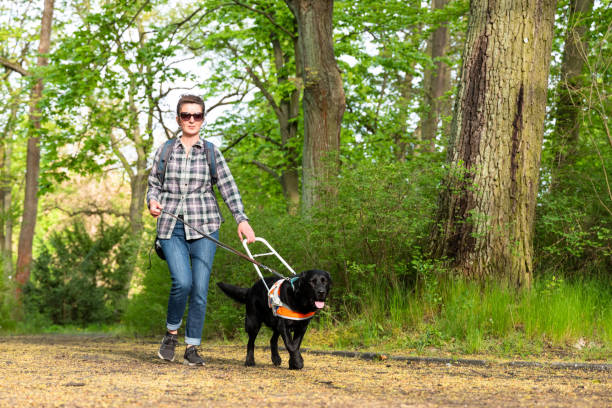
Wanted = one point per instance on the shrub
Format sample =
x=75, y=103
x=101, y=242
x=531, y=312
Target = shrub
x=79, y=279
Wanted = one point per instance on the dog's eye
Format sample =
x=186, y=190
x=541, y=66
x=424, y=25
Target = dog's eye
x=319, y=281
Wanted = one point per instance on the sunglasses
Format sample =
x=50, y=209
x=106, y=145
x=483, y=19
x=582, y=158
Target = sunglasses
x=196, y=116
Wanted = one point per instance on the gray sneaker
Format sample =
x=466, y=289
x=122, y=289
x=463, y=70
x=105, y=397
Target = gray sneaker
x=192, y=357
x=168, y=344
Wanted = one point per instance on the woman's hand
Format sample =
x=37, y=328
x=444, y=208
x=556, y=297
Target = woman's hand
x=245, y=231
x=155, y=208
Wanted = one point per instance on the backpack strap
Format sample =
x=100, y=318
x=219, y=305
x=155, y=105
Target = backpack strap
x=212, y=163
x=163, y=160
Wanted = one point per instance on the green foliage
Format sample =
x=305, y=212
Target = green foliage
x=382, y=53
x=573, y=235
x=7, y=304
x=78, y=278
x=574, y=213
x=379, y=215
x=146, y=311
x=472, y=318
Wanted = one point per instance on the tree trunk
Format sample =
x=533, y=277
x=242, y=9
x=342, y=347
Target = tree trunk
x=437, y=82
x=487, y=206
x=400, y=142
x=324, y=100
x=143, y=146
x=287, y=115
x=569, y=103
x=30, y=204
x=6, y=187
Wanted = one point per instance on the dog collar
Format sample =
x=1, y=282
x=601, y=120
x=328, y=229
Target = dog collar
x=279, y=308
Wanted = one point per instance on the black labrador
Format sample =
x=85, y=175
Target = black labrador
x=304, y=295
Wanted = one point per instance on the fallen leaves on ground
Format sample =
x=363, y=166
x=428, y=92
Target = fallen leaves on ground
x=102, y=371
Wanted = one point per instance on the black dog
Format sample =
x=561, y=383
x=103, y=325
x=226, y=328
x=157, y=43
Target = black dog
x=304, y=294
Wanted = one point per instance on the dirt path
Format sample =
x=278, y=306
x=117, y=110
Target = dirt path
x=90, y=371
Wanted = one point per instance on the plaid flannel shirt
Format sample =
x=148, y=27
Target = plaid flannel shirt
x=190, y=191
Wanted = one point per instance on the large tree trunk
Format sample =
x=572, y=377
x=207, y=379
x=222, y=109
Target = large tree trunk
x=324, y=100
x=30, y=204
x=487, y=207
x=569, y=103
x=436, y=81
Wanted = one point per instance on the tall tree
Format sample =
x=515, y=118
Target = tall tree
x=323, y=100
x=115, y=75
x=30, y=206
x=18, y=31
x=7, y=181
x=383, y=53
x=570, y=88
x=486, y=208
x=262, y=54
x=379, y=46
x=437, y=81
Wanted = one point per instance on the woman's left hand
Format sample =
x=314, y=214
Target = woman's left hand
x=245, y=231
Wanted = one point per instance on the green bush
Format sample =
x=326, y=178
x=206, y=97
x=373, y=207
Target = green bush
x=573, y=236
x=79, y=279
x=146, y=311
x=7, y=304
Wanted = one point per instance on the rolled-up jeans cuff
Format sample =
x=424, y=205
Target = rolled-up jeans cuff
x=192, y=342
x=174, y=326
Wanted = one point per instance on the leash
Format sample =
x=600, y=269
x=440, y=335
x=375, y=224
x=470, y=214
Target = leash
x=228, y=248
x=279, y=308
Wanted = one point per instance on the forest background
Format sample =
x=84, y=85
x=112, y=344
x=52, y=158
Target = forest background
x=357, y=165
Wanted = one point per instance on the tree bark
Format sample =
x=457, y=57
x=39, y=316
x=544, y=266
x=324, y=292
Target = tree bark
x=570, y=102
x=487, y=205
x=400, y=144
x=437, y=82
x=324, y=100
x=30, y=204
x=287, y=114
x=6, y=199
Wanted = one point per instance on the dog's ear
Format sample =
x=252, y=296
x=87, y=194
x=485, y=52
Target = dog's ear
x=329, y=279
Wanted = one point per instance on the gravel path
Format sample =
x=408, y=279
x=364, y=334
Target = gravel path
x=96, y=371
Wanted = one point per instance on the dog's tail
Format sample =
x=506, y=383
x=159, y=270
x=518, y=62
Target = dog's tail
x=237, y=293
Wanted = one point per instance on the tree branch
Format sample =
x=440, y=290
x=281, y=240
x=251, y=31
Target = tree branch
x=267, y=169
x=268, y=16
x=223, y=102
x=95, y=211
x=258, y=82
x=234, y=143
x=14, y=66
x=268, y=139
x=126, y=164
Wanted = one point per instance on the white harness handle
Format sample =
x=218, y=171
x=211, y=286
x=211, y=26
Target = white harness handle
x=272, y=252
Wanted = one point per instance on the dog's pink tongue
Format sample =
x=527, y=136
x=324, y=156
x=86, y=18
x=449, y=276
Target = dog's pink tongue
x=319, y=305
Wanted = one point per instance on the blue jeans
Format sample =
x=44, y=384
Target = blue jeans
x=190, y=263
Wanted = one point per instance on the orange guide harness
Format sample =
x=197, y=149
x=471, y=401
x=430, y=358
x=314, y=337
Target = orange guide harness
x=280, y=309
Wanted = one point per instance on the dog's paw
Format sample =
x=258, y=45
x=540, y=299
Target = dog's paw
x=297, y=364
x=249, y=362
x=276, y=360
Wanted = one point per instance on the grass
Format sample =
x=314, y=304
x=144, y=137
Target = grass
x=554, y=317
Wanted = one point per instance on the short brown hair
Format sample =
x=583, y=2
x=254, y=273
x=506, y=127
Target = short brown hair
x=190, y=99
